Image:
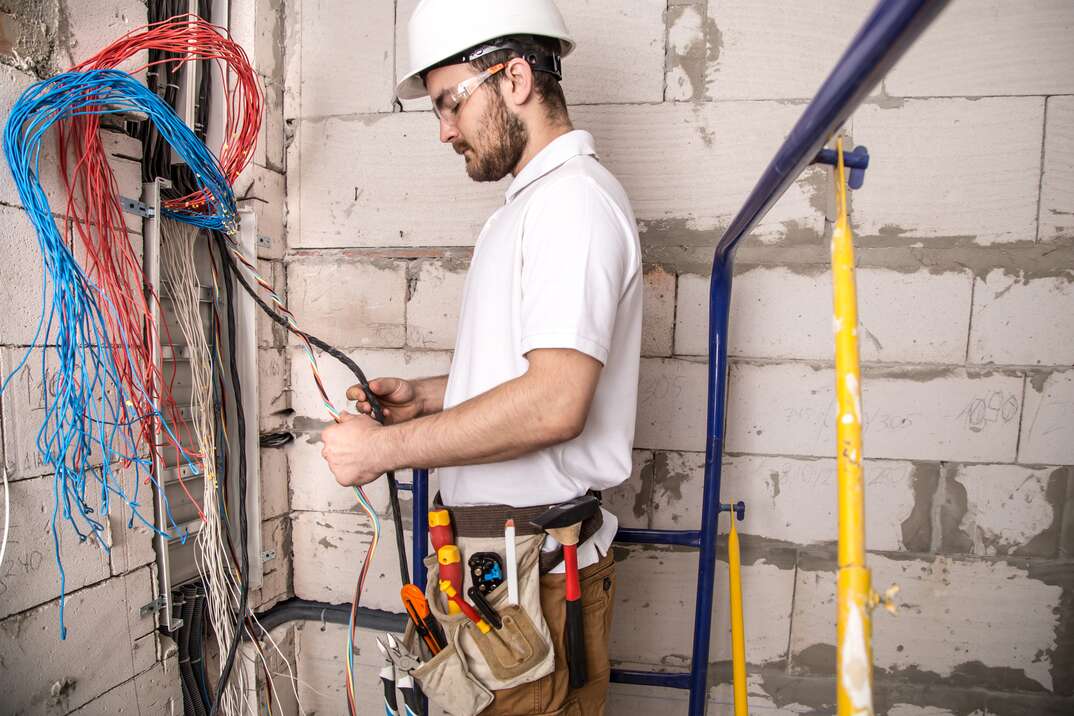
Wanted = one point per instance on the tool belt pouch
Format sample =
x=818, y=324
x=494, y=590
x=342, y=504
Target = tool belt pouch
x=517, y=653
x=447, y=682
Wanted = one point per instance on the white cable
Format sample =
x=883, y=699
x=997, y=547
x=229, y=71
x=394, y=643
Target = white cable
x=7, y=516
x=211, y=556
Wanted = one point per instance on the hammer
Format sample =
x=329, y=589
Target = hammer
x=564, y=523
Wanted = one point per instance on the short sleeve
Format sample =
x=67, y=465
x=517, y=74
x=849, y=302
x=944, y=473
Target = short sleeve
x=578, y=254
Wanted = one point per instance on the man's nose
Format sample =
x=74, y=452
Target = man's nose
x=448, y=131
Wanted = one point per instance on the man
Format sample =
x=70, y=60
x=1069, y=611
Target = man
x=539, y=406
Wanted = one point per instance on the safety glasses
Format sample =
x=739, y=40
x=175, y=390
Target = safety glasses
x=446, y=105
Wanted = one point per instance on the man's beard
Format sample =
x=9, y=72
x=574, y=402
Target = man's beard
x=506, y=138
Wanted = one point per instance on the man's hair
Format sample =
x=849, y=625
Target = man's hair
x=547, y=86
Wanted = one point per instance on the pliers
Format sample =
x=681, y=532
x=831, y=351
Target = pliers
x=404, y=662
x=387, y=679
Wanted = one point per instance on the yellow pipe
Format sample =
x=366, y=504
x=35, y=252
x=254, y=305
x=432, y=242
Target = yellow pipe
x=854, y=660
x=738, y=632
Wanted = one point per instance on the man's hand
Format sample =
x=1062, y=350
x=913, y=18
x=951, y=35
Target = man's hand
x=398, y=398
x=349, y=449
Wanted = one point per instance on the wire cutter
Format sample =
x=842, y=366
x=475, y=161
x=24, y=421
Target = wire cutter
x=387, y=679
x=405, y=662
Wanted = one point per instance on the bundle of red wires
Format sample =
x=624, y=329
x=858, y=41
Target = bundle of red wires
x=94, y=211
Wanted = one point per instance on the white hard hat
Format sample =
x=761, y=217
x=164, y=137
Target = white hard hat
x=442, y=29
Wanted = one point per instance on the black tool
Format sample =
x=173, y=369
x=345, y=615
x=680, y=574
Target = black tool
x=486, y=571
x=484, y=608
x=564, y=523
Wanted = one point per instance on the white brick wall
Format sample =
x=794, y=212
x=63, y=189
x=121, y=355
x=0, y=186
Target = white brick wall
x=991, y=47
x=782, y=313
x=1007, y=508
x=951, y=414
x=691, y=166
x=1047, y=435
x=1022, y=320
x=769, y=49
x=433, y=305
x=671, y=405
x=658, y=313
x=329, y=549
x=382, y=181
x=779, y=491
x=94, y=658
x=349, y=302
x=21, y=280
x=341, y=34
x=952, y=620
x=1057, y=182
x=979, y=184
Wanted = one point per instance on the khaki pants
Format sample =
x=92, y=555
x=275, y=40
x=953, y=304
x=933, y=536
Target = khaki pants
x=552, y=695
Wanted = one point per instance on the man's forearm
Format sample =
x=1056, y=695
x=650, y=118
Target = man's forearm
x=431, y=393
x=511, y=420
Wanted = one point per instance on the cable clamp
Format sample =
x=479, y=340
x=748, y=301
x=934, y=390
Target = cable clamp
x=133, y=206
x=153, y=606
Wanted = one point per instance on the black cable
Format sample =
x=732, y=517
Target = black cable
x=197, y=648
x=378, y=412
x=240, y=417
x=276, y=439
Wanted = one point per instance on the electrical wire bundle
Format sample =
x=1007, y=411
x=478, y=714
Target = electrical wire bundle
x=91, y=411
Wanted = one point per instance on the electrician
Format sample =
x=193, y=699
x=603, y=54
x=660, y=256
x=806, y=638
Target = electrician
x=539, y=406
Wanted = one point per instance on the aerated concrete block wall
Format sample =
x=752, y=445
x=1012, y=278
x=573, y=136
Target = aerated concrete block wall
x=966, y=288
x=113, y=660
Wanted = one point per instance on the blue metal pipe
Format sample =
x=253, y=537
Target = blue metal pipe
x=682, y=538
x=891, y=28
x=651, y=678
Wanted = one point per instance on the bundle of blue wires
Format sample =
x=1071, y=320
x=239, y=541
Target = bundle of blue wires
x=84, y=417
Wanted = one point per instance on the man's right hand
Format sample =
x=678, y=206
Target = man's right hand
x=397, y=397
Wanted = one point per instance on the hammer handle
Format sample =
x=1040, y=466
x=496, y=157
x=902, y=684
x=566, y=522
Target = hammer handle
x=575, y=622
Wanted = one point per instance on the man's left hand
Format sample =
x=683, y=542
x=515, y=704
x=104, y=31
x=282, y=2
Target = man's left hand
x=349, y=449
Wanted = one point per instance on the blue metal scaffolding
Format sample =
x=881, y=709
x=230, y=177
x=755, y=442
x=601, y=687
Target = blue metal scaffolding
x=889, y=30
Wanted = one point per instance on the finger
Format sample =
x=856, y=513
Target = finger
x=355, y=392
x=344, y=416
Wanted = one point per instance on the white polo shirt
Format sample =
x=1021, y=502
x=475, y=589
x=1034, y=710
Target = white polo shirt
x=558, y=266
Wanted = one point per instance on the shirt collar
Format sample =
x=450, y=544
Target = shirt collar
x=556, y=153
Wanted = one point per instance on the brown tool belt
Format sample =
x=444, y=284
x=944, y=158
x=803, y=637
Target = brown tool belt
x=488, y=521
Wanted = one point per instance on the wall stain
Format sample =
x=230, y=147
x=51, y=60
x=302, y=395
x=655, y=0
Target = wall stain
x=1046, y=543
x=917, y=528
x=952, y=510
x=1058, y=573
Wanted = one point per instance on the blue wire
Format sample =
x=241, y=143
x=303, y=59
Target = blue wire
x=83, y=420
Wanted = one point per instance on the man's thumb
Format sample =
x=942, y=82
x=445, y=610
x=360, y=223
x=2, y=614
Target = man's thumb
x=382, y=386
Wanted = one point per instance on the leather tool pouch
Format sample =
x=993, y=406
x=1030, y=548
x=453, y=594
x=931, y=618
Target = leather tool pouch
x=461, y=677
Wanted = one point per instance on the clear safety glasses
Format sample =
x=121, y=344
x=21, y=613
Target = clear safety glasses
x=446, y=106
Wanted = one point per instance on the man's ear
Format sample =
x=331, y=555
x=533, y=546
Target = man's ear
x=520, y=77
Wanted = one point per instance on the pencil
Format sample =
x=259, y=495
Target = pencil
x=512, y=564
